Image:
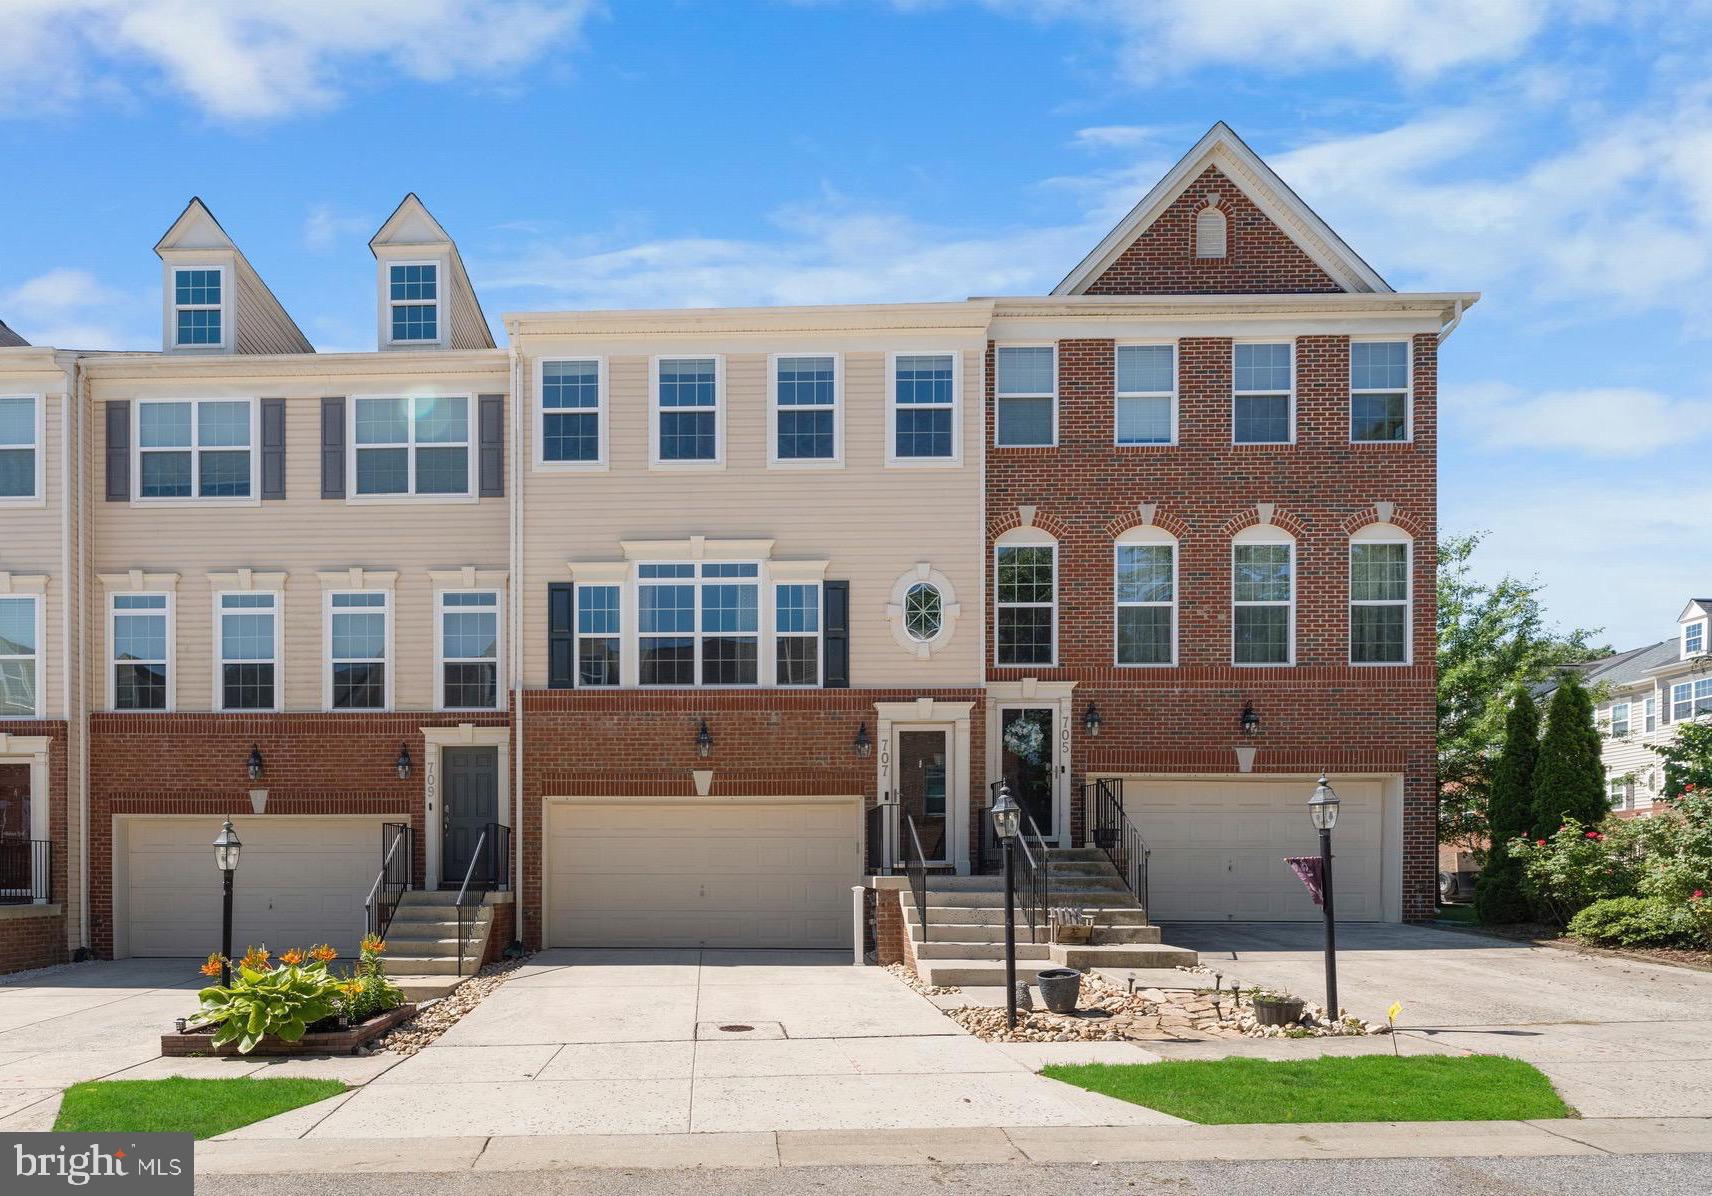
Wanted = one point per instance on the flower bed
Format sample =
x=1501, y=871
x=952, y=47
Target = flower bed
x=333, y=1040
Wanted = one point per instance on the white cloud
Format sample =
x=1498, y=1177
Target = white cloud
x=265, y=59
x=72, y=309
x=1596, y=421
x=1105, y=137
x=325, y=227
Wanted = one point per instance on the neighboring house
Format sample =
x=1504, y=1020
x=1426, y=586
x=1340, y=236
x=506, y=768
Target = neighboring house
x=668, y=601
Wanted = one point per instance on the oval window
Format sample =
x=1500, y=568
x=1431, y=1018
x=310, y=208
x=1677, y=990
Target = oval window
x=923, y=612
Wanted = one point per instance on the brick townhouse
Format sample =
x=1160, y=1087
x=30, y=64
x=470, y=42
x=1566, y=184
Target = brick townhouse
x=667, y=627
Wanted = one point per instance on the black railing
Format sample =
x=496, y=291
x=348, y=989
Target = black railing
x=881, y=818
x=26, y=871
x=1118, y=837
x=1035, y=884
x=915, y=864
x=397, y=861
x=490, y=869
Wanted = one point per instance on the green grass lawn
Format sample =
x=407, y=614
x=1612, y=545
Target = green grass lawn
x=179, y=1106
x=1359, y=1088
x=1457, y=915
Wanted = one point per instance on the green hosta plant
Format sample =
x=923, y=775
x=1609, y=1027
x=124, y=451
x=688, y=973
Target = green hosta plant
x=283, y=1001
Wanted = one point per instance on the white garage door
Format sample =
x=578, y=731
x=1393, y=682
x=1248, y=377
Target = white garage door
x=1218, y=848
x=300, y=881
x=711, y=874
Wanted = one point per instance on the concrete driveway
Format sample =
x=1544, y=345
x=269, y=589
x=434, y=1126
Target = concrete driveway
x=1617, y=1037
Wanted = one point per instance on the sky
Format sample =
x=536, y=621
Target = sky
x=1555, y=155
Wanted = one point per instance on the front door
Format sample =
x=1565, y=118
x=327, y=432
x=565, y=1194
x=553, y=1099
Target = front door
x=1027, y=760
x=923, y=759
x=469, y=807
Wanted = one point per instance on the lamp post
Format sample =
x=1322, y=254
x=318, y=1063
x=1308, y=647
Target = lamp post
x=226, y=849
x=1323, y=809
x=1007, y=817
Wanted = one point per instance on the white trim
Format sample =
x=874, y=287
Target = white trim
x=462, y=735
x=1236, y=393
x=577, y=634
x=719, y=405
x=889, y=432
x=1382, y=533
x=38, y=655
x=815, y=636
x=1025, y=537
x=440, y=610
x=836, y=461
x=278, y=659
x=602, y=411
x=196, y=448
x=1156, y=536
x=169, y=612
x=388, y=660
x=387, y=302
x=1174, y=396
x=1030, y=693
x=999, y=396
x=949, y=609
x=470, y=445
x=1628, y=719
x=224, y=307
x=33, y=750
x=38, y=450
x=928, y=714
x=1704, y=628
x=1408, y=343
x=1264, y=533
x=765, y=676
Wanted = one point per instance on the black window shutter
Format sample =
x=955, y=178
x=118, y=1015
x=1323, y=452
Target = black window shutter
x=273, y=448
x=835, y=634
x=119, y=450
x=333, y=448
x=561, y=635
x=492, y=446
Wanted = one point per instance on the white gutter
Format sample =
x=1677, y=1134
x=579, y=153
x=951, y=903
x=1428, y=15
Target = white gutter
x=77, y=395
x=1455, y=319
x=515, y=493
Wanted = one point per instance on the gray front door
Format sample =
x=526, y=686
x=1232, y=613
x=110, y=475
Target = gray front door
x=470, y=805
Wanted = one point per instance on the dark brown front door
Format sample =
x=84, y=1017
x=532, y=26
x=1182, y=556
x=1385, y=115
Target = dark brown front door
x=922, y=792
x=470, y=806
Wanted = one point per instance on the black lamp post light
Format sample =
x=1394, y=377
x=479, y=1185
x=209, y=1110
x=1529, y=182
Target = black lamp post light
x=1007, y=820
x=1323, y=810
x=226, y=851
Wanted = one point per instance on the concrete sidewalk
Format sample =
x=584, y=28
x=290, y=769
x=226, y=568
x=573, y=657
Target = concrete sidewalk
x=1041, y=1144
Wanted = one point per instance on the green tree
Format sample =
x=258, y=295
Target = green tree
x=1492, y=637
x=1687, y=760
x=1569, y=777
x=1498, y=895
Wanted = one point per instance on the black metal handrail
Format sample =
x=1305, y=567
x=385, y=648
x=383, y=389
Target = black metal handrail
x=397, y=861
x=26, y=871
x=493, y=847
x=1036, y=889
x=915, y=864
x=878, y=816
x=1118, y=837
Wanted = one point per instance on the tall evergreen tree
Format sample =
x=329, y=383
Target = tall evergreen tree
x=1498, y=894
x=1569, y=777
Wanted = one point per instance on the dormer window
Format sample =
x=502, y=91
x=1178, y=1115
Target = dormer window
x=196, y=308
x=1694, y=638
x=413, y=296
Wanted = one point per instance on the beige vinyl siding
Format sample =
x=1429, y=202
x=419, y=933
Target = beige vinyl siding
x=262, y=326
x=872, y=523
x=301, y=536
x=1632, y=753
x=32, y=536
x=468, y=330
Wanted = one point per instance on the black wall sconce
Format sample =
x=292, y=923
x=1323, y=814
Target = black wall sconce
x=1091, y=719
x=402, y=764
x=864, y=744
x=1250, y=720
x=704, y=741
x=255, y=763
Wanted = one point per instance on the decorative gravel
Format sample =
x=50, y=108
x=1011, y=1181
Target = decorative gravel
x=907, y=974
x=438, y=1017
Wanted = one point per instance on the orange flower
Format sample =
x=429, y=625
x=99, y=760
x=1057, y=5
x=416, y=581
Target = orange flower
x=351, y=988
x=213, y=965
x=256, y=959
x=322, y=953
x=293, y=957
x=372, y=943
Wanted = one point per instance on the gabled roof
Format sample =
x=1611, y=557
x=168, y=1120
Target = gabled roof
x=1695, y=607
x=274, y=331
x=1221, y=147
x=195, y=228
x=411, y=223
x=10, y=339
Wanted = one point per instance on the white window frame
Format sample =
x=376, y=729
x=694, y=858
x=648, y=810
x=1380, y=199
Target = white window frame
x=169, y=611
x=278, y=659
x=224, y=307
x=815, y=635
x=1176, y=389
x=602, y=404
x=38, y=657
x=719, y=407
x=1697, y=624
x=1649, y=715
x=37, y=449
x=766, y=667
x=955, y=460
x=1027, y=537
x=1617, y=792
x=1376, y=533
x=440, y=660
x=195, y=449
x=1154, y=536
x=774, y=461
x=439, y=300
x=1235, y=393
x=577, y=634
x=1000, y=396
x=327, y=659
x=1265, y=533
x=1623, y=721
x=1692, y=699
x=470, y=444
x=1408, y=344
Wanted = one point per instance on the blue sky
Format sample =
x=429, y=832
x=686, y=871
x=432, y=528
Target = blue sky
x=1555, y=155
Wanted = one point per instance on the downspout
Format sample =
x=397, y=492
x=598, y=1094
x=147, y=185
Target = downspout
x=518, y=473
x=77, y=396
x=1455, y=319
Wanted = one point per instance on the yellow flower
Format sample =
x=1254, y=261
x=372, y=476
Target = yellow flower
x=1393, y=1013
x=351, y=988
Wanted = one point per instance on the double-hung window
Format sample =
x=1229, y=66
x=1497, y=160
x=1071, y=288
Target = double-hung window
x=140, y=651
x=1619, y=719
x=20, y=447
x=1379, y=602
x=924, y=407
x=196, y=448
x=686, y=410
x=805, y=408
x=1146, y=394
x=1025, y=393
x=1263, y=389
x=1146, y=599
x=699, y=624
x=20, y=656
x=197, y=308
x=796, y=631
x=1649, y=715
x=1378, y=391
x=357, y=642
x=1617, y=788
x=1693, y=639
x=573, y=422
x=412, y=446
x=598, y=630
x=467, y=635
x=1690, y=699
x=248, y=634
x=1027, y=610
x=1263, y=591
x=413, y=301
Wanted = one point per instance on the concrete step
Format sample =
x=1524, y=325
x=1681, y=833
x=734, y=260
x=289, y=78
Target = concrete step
x=981, y=972
x=1076, y=895
x=425, y=897
x=960, y=950
x=1124, y=956
x=399, y=946
x=447, y=965
x=1126, y=914
x=1056, y=867
x=418, y=989
x=968, y=973
x=963, y=932
x=1074, y=853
